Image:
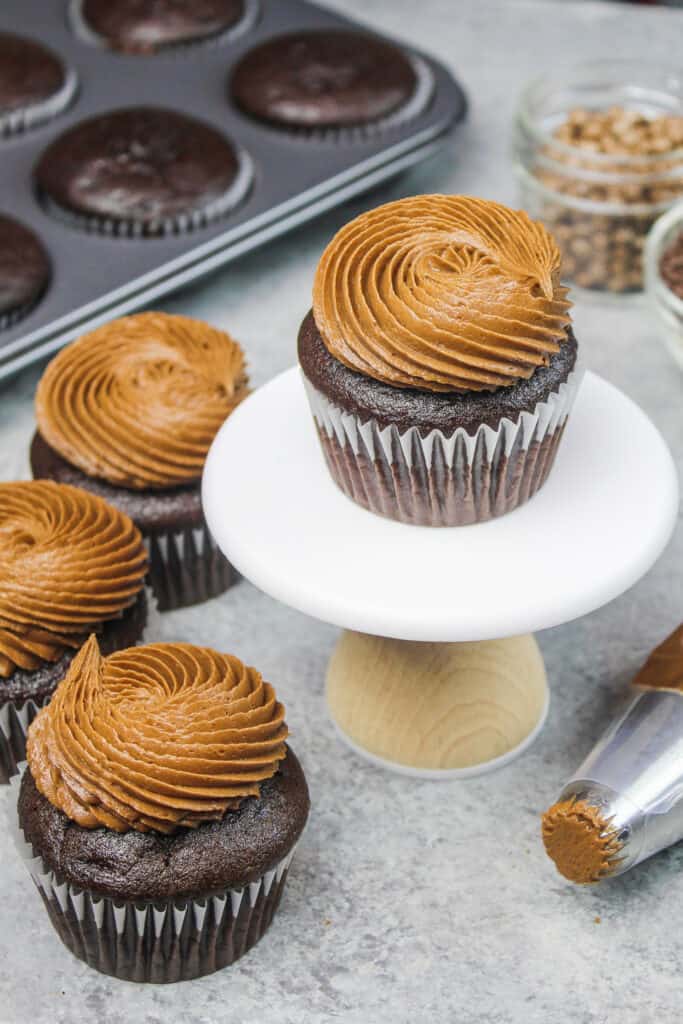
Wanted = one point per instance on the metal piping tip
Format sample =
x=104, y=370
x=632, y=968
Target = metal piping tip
x=625, y=802
x=585, y=846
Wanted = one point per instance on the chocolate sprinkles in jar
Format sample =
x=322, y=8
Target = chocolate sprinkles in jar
x=599, y=156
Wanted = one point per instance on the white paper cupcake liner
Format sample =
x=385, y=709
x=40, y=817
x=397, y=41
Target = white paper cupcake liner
x=153, y=941
x=250, y=16
x=187, y=222
x=16, y=121
x=442, y=480
x=16, y=716
x=186, y=567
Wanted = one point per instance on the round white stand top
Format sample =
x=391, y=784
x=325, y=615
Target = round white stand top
x=597, y=525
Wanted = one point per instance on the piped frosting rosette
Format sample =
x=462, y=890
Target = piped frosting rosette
x=68, y=563
x=440, y=362
x=138, y=401
x=156, y=737
x=443, y=293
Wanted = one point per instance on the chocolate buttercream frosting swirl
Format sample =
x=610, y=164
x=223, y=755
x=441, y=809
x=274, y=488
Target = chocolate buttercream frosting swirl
x=138, y=401
x=442, y=293
x=155, y=737
x=68, y=563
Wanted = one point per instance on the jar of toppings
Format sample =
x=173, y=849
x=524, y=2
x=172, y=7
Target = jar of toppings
x=664, y=277
x=598, y=151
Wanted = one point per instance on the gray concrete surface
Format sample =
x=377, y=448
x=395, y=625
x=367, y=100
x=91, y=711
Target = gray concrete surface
x=411, y=901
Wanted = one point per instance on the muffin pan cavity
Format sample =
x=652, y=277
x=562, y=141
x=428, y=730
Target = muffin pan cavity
x=283, y=177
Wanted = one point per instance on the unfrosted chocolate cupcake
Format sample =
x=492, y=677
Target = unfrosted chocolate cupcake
x=24, y=271
x=148, y=26
x=141, y=172
x=439, y=359
x=161, y=806
x=69, y=565
x=324, y=78
x=129, y=412
x=35, y=85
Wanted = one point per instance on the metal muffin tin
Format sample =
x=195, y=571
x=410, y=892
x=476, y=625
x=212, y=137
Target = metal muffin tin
x=295, y=175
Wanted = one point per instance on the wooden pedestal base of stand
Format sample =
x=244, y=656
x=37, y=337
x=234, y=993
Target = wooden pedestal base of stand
x=437, y=709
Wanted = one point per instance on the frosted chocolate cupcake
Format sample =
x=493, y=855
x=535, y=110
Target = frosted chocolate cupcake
x=140, y=173
x=161, y=807
x=146, y=28
x=24, y=271
x=129, y=412
x=439, y=359
x=35, y=85
x=328, y=79
x=70, y=565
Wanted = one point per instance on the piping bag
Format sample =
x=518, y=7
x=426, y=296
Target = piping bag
x=625, y=802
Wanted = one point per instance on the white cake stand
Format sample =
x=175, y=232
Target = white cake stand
x=421, y=681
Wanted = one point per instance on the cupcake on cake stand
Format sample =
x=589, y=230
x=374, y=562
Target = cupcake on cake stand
x=437, y=673
x=460, y=508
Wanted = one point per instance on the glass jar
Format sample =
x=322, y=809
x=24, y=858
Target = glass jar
x=600, y=205
x=666, y=304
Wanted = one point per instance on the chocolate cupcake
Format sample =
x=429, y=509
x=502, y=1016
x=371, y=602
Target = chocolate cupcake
x=150, y=26
x=439, y=359
x=328, y=79
x=69, y=565
x=35, y=85
x=129, y=412
x=142, y=172
x=24, y=271
x=160, y=810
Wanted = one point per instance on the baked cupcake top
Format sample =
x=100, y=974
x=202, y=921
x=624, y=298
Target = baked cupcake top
x=323, y=78
x=68, y=563
x=138, y=401
x=151, y=169
x=155, y=738
x=29, y=73
x=137, y=26
x=24, y=267
x=442, y=293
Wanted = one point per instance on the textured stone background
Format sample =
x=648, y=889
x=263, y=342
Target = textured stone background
x=411, y=901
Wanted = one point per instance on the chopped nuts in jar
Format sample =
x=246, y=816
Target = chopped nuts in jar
x=603, y=249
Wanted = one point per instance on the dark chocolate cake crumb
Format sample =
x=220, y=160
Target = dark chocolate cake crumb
x=323, y=78
x=370, y=399
x=144, y=27
x=152, y=511
x=150, y=866
x=29, y=73
x=24, y=269
x=149, y=169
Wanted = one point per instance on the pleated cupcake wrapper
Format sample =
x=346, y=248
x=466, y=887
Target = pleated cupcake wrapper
x=442, y=480
x=412, y=108
x=16, y=716
x=250, y=15
x=16, y=121
x=186, y=567
x=200, y=218
x=154, y=941
x=13, y=317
